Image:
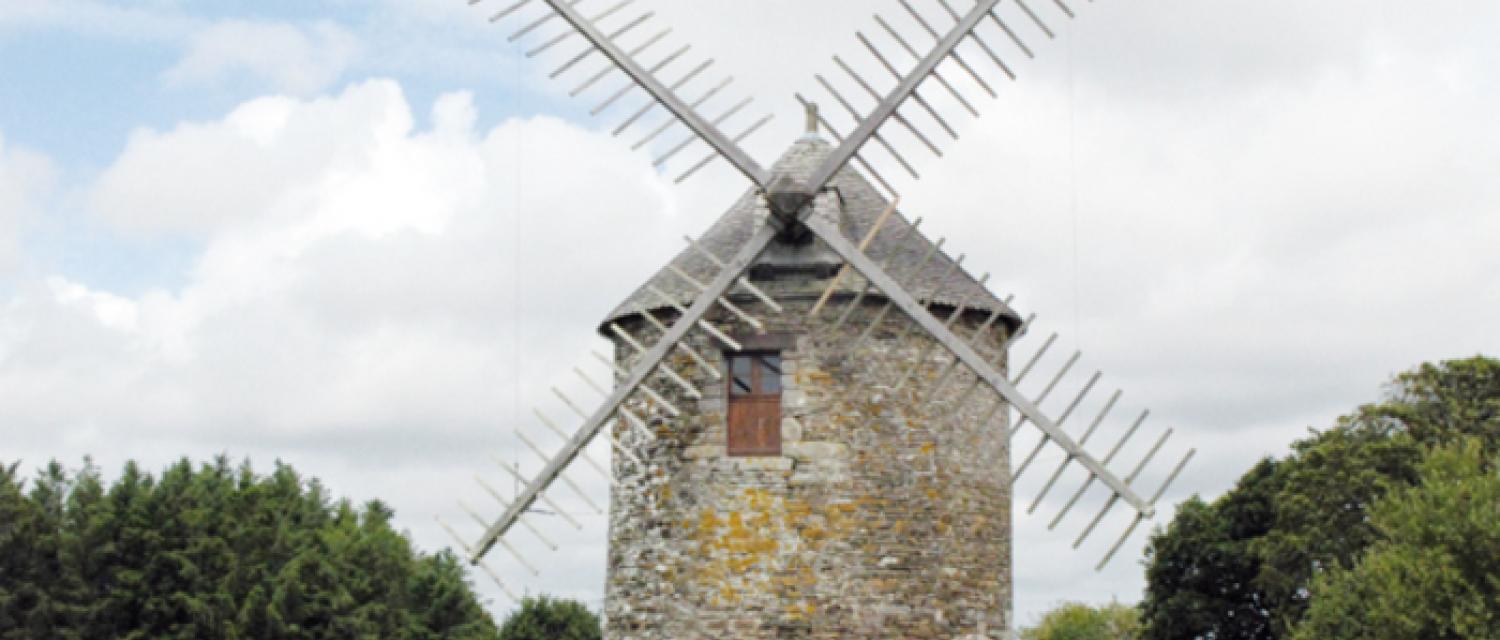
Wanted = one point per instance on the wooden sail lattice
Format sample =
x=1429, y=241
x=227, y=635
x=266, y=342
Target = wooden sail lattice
x=611, y=34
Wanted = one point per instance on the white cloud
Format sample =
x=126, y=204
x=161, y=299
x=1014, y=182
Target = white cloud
x=26, y=179
x=1248, y=254
x=354, y=263
x=297, y=59
x=266, y=160
x=1276, y=209
x=287, y=56
x=1278, y=206
x=140, y=21
x=364, y=297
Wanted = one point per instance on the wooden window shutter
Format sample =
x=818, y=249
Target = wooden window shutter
x=754, y=403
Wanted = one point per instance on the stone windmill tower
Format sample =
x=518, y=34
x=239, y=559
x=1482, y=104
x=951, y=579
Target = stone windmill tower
x=813, y=404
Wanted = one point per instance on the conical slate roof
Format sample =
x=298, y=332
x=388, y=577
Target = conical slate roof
x=897, y=247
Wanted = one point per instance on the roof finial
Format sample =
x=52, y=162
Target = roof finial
x=812, y=119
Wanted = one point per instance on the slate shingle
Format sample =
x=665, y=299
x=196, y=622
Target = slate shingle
x=897, y=248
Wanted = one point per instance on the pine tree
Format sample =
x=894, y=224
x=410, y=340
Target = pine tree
x=215, y=551
x=545, y=618
x=19, y=535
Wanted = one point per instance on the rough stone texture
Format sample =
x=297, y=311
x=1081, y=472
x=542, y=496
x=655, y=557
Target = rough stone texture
x=887, y=514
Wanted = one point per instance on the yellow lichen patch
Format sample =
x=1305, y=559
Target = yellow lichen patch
x=798, y=509
x=739, y=565
x=755, y=541
x=758, y=499
x=837, y=516
x=758, y=546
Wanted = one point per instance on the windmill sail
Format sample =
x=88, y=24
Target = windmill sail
x=641, y=75
x=703, y=282
x=792, y=220
x=1028, y=408
x=871, y=125
x=649, y=362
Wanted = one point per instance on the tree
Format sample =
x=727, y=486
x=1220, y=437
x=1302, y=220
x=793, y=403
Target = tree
x=1077, y=621
x=1434, y=573
x=1201, y=573
x=1321, y=512
x=1244, y=565
x=215, y=552
x=545, y=618
x=18, y=540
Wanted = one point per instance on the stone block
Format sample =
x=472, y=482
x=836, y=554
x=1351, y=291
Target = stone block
x=882, y=518
x=791, y=431
x=815, y=451
x=762, y=463
x=703, y=452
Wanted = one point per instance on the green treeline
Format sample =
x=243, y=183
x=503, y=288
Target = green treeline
x=546, y=618
x=1386, y=526
x=215, y=552
x=1078, y=621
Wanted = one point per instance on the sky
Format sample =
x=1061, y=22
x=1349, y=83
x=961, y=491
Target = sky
x=366, y=238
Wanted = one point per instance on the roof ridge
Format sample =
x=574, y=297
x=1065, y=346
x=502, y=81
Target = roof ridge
x=897, y=245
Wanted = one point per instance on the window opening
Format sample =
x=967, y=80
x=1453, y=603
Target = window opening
x=754, y=404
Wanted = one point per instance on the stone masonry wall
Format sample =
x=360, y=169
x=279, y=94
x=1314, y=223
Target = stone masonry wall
x=887, y=516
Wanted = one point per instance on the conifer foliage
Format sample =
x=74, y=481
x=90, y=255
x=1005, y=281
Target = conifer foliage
x=215, y=552
x=547, y=618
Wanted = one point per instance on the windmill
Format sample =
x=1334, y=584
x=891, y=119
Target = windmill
x=813, y=404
